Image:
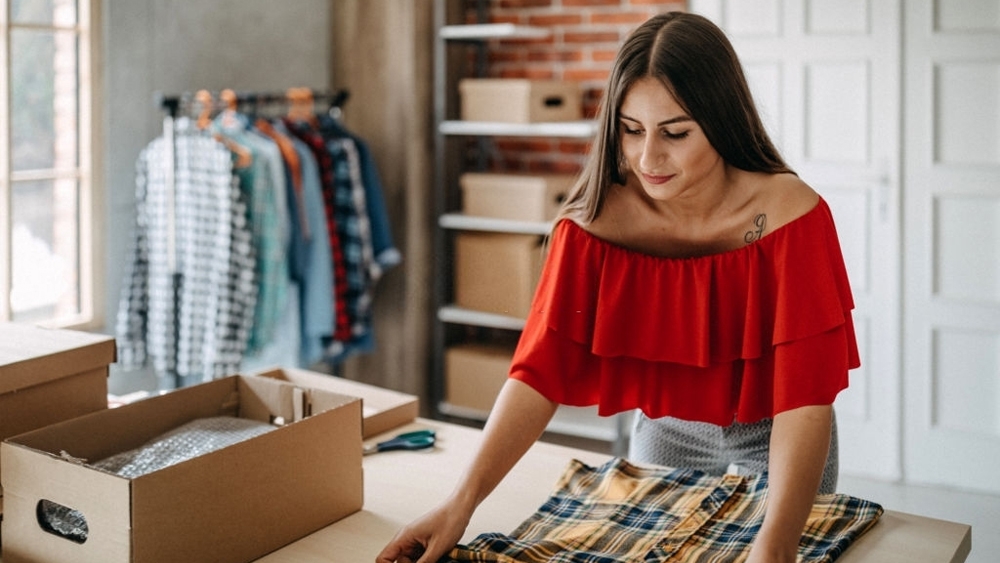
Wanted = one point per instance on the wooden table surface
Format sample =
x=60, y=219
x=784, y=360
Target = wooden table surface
x=401, y=485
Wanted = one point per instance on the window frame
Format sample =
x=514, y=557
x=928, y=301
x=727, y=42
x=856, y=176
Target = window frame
x=88, y=171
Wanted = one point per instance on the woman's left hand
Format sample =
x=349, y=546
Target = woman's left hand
x=761, y=552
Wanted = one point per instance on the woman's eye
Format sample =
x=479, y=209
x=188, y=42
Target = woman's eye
x=675, y=136
x=630, y=131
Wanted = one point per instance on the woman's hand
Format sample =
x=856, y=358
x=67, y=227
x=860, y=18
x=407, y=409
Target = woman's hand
x=761, y=553
x=519, y=416
x=428, y=538
x=800, y=442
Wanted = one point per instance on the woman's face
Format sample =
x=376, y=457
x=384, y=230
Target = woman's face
x=664, y=148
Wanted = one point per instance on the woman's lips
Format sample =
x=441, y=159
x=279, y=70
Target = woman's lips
x=657, y=179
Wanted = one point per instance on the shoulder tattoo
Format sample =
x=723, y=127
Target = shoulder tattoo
x=759, y=222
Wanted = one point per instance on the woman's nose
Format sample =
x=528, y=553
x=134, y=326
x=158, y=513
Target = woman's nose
x=652, y=154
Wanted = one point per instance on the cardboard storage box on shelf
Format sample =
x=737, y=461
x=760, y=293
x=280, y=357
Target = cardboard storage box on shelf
x=519, y=100
x=383, y=409
x=521, y=197
x=497, y=272
x=474, y=374
x=50, y=375
x=232, y=505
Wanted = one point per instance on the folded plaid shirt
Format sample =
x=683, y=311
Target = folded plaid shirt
x=621, y=512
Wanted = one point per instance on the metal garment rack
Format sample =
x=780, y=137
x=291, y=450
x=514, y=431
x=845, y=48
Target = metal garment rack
x=172, y=104
x=171, y=107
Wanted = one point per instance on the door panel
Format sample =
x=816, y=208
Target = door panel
x=952, y=295
x=826, y=77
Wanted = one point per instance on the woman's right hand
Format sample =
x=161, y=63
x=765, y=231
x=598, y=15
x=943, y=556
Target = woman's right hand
x=519, y=416
x=428, y=538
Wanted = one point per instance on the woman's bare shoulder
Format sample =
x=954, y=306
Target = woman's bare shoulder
x=608, y=223
x=786, y=197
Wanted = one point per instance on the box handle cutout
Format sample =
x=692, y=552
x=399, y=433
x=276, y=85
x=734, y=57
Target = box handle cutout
x=62, y=521
x=553, y=101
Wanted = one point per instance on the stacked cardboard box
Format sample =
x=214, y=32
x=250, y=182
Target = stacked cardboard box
x=520, y=100
x=49, y=375
x=474, y=374
x=520, y=197
x=497, y=272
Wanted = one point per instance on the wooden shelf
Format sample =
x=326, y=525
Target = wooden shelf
x=459, y=315
x=582, y=129
x=479, y=32
x=462, y=222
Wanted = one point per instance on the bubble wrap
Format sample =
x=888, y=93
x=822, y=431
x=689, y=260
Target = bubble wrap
x=190, y=440
x=196, y=438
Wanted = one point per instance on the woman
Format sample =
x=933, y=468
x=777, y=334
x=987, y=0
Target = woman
x=692, y=276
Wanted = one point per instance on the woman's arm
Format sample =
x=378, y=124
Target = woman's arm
x=518, y=418
x=800, y=442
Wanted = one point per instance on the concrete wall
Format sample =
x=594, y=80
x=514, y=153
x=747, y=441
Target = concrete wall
x=382, y=53
x=173, y=46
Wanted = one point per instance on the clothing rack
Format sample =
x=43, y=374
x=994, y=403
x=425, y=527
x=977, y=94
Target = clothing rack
x=172, y=105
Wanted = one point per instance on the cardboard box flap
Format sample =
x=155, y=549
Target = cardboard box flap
x=30, y=355
x=382, y=409
x=95, y=436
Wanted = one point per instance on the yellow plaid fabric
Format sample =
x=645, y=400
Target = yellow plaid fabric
x=621, y=512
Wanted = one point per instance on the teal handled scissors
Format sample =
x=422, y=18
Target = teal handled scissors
x=416, y=440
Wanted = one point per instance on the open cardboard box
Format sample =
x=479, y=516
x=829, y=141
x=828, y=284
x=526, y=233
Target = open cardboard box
x=383, y=409
x=232, y=505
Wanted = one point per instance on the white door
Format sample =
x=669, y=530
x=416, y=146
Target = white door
x=825, y=75
x=952, y=209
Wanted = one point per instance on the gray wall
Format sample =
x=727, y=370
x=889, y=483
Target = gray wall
x=173, y=46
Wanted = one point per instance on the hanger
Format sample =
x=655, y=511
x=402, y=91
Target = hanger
x=230, y=103
x=205, y=99
x=301, y=105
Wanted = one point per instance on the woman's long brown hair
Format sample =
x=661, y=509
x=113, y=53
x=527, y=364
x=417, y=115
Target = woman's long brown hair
x=695, y=61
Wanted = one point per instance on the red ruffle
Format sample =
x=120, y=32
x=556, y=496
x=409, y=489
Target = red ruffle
x=741, y=335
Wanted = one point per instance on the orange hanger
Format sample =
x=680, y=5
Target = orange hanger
x=229, y=97
x=291, y=156
x=231, y=101
x=286, y=148
x=204, y=98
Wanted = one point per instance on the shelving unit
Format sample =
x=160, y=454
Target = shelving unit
x=449, y=133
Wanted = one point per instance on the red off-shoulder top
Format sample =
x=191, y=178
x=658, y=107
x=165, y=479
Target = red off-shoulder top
x=737, y=336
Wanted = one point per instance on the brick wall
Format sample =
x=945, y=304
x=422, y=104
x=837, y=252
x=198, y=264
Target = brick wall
x=585, y=37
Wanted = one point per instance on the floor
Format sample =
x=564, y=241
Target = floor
x=981, y=511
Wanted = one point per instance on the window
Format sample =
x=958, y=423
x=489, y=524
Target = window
x=46, y=165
